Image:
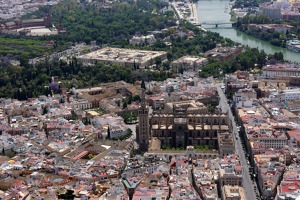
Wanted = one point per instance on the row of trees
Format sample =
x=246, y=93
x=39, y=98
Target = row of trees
x=22, y=48
x=248, y=3
x=30, y=81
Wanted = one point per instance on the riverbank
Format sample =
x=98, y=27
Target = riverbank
x=213, y=11
x=280, y=35
x=188, y=12
x=196, y=16
x=261, y=32
x=195, y=13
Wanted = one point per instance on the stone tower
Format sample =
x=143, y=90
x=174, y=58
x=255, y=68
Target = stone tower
x=142, y=132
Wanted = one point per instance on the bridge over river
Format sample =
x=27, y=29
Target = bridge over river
x=214, y=23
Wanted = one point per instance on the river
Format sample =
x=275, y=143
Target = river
x=213, y=11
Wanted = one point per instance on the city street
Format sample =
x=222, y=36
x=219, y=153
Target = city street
x=247, y=182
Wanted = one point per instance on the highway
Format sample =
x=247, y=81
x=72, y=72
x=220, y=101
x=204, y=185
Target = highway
x=248, y=184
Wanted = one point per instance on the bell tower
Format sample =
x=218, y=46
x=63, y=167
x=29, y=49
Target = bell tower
x=142, y=132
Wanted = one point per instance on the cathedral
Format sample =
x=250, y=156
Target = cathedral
x=182, y=124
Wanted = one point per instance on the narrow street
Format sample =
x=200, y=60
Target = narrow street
x=247, y=182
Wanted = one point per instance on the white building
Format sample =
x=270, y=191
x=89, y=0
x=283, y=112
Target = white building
x=123, y=57
x=246, y=95
x=270, y=140
x=289, y=188
x=117, y=131
x=189, y=63
x=281, y=70
x=148, y=39
x=233, y=193
x=291, y=94
x=82, y=104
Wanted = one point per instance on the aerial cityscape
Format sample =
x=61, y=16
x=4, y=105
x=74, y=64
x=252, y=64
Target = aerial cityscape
x=150, y=100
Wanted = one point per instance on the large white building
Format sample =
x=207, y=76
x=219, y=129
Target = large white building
x=281, y=70
x=245, y=95
x=233, y=193
x=81, y=104
x=189, y=63
x=270, y=139
x=291, y=94
x=289, y=188
x=148, y=39
x=117, y=131
x=124, y=57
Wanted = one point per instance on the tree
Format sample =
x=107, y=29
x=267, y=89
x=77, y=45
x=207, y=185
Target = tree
x=143, y=85
x=124, y=104
x=158, y=61
x=137, y=98
x=74, y=116
x=45, y=110
x=129, y=99
x=118, y=102
x=278, y=56
x=108, y=133
x=90, y=156
x=68, y=195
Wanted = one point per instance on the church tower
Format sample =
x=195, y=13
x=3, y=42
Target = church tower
x=142, y=132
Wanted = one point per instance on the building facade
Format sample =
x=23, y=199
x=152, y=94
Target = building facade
x=233, y=193
x=139, y=59
x=26, y=23
x=186, y=125
x=271, y=11
x=281, y=70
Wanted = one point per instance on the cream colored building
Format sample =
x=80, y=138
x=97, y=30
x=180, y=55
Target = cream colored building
x=189, y=63
x=231, y=176
x=124, y=57
x=271, y=71
x=233, y=193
